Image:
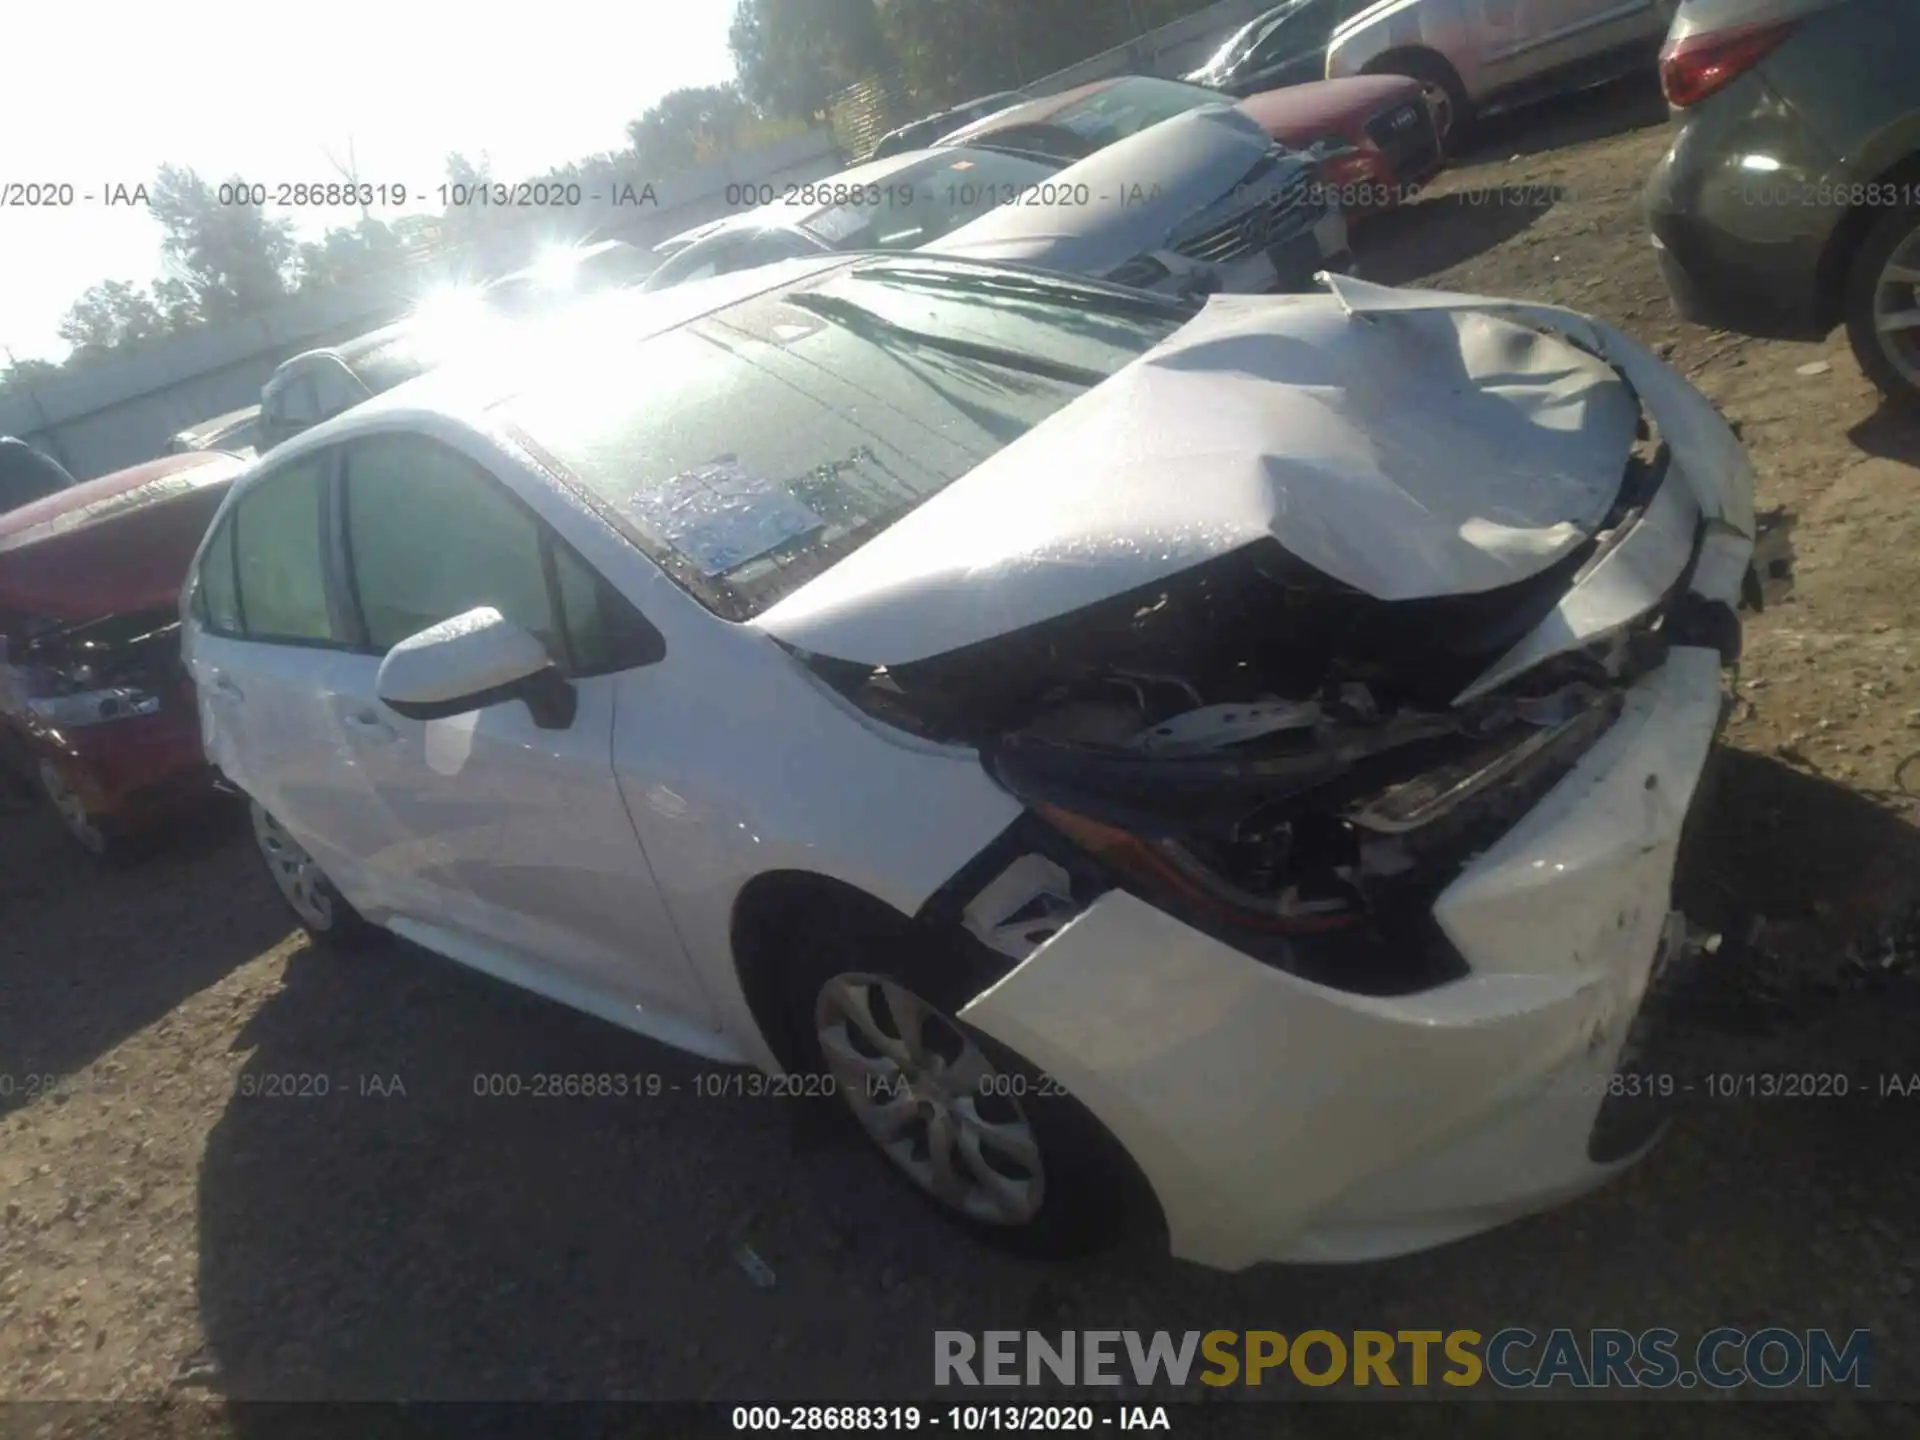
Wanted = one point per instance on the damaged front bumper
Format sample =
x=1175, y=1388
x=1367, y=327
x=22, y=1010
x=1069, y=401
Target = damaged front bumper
x=1280, y=1119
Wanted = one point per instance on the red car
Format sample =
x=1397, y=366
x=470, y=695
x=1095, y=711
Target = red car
x=1384, y=128
x=95, y=709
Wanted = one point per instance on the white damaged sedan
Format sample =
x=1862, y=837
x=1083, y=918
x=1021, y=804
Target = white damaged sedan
x=1230, y=756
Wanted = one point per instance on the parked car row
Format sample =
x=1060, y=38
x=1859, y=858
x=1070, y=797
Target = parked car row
x=1481, y=57
x=1201, y=201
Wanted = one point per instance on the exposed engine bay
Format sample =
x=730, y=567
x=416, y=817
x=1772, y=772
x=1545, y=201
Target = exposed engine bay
x=1274, y=757
x=56, y=673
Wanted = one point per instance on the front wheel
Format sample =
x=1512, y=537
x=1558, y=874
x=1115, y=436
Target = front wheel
x=968, y=1124
x=1883, y=305
x=319, y=907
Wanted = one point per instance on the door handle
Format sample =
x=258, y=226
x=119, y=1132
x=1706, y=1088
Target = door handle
x=365, y=722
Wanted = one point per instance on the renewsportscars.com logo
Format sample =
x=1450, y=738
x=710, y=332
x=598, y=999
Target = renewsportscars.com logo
x=1514, y=1358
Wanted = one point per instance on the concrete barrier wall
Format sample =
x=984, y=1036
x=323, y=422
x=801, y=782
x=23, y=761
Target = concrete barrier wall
x=123, y=409
x=1170, y=51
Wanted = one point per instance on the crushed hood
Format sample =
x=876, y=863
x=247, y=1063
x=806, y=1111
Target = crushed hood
x=1124, y=201
x=1408, y=444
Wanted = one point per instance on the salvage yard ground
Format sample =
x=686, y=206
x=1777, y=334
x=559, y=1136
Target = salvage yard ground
x=164, y=1231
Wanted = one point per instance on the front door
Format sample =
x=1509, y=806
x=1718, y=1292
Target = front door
x=510, y=836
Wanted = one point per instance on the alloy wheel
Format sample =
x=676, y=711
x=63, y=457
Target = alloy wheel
x=296, y=872
x=71, y=809
x=1896, y=308
x=931, y=1099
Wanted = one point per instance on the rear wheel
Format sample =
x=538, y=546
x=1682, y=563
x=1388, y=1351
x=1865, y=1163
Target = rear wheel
x=1883, y=305
x=319, y=907
x=973, y=1128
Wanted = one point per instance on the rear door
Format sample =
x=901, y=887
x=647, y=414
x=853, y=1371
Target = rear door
x=271, y=655
x=1554, y=35
x=512, y=837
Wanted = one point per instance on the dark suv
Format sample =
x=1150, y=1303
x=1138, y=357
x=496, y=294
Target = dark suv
x=1789, y=202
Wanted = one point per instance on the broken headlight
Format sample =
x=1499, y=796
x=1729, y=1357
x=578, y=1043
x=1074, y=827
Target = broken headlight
x=92, y=707
x=1262, y=878
x=1320, y=851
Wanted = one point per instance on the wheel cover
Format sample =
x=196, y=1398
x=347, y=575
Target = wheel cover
x=71, y=809
x=297, y=874
x=1896, y=308
x=931, y=1099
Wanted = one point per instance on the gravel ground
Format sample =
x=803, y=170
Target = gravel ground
x=168, y=1229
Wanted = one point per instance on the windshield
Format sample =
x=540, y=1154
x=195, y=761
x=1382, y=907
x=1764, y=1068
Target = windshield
x=921, y=202
x=1129, y=106
x=750, y=450
x=1242, y=41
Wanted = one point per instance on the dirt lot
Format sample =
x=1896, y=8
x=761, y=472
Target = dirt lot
x=163, y=1231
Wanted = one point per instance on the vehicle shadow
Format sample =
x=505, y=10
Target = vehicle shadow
x=418, y=1232
x=94, y=953
x=1892, y=432
x=1633, y=102
x=1441, y=231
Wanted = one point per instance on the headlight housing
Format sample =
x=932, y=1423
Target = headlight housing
x=92, y=707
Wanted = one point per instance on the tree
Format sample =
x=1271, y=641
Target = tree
x=231, y=257
x=19, y=374
x=953, y=50
x=178, y=303
x=687, y=128
x=791, y=56
x=344, y=255
x=462, y=171
x=111, y=314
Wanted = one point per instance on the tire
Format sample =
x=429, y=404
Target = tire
x=1894, y=241
x=322, y=911
x=1075, y=1193
x=1432, y=69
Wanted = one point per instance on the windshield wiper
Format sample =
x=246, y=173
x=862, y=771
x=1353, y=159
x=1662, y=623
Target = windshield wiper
x=1117, y=300
x=857, y=317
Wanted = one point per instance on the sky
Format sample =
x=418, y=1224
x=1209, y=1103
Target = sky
x=99, y=96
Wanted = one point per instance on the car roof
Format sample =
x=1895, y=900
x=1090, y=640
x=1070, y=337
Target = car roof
x=789, y=215
x=1034, y=111
x=582, y=253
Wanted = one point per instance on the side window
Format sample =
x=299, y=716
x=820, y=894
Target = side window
x=279, y=575
x=604, y=631
x=696, y=262
x=293, y=403
x=766, y=246
x=216, y=596
x=432, y=535
x=334, y=390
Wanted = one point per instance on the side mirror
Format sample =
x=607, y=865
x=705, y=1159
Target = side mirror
x=472, y=661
